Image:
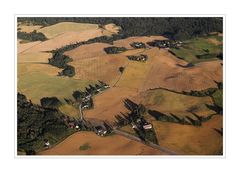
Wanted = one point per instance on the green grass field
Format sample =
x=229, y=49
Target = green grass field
x=37, y=85
x=178, y=104
x=69, y=110
x=218, y=97
x=200, y=46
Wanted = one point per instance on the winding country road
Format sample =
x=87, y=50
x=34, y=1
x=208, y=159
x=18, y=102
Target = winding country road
x=132, y=137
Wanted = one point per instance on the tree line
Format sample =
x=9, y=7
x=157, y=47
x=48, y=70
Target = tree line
x=32, y=36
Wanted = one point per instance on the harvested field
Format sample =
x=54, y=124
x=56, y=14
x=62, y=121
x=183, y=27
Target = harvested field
x=21, y=47
x=133, y=52
x=190, y=140
x=28, y=68
x=87, y=51
x=110, y=103
x=60, y=28
x=157, y=83
x=166, y=73
x=65, y=39
x=110, y=145
x=134, y=75
x=162, y=70
x=105, y=68
x=34, y=57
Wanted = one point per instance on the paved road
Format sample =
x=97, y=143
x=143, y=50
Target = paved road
x=132, y=137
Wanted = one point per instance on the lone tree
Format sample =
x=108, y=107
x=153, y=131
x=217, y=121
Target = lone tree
x=77, y=95
x=121, y=69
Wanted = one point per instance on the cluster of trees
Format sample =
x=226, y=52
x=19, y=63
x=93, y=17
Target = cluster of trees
x=101, y=39
x=86, y=96
x=36, y=123
x=114, y=50
x=67, y=71
x=50, y=102
x=135, y=117
x=78, y=95
x=32, y=36
x=171, y=27
x=165, y=44
x=59, y=60
x=141, y=58
x=175, y=119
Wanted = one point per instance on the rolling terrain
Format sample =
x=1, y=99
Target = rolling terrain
x=163, y=83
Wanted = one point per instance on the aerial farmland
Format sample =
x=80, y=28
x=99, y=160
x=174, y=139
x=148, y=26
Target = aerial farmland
x=120, y=86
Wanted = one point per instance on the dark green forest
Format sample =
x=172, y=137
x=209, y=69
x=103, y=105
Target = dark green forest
x=36, y=123
x=171, y=27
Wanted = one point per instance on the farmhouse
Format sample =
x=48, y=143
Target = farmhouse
x=143, y=124
x=100, y=131
x=141, y=58
x=46, y=143
x=85, y=106
x=138, y=45
x=71, y=125
x=147, y=126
